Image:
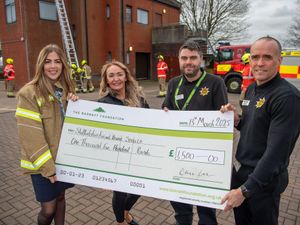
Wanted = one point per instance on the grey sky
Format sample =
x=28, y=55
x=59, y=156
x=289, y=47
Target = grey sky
x=270, y=17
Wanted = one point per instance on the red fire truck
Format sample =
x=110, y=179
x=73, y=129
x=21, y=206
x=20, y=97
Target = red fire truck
x=228, y=65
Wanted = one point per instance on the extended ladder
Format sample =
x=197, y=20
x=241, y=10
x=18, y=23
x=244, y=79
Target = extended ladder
x=66, y=32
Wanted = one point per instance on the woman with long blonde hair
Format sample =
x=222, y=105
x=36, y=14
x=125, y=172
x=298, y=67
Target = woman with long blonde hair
x=40, y=113
x=130, y=93
x=118, y=87
x=43, y=84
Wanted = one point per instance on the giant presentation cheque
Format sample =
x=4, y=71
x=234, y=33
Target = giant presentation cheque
x=182, y=156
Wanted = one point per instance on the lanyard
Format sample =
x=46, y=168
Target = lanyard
x=58, y=94
x=192, y=92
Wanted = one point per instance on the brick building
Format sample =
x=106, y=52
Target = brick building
x=102, y=30
x=166, y=41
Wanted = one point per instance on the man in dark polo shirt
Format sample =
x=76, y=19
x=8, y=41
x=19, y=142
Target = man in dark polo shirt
x=269, y=128
x=194, y=90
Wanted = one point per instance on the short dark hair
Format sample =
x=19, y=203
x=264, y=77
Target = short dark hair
x=192, y=46
x=269, y=38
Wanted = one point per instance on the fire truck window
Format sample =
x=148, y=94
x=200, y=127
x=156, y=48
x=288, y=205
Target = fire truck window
x=290, y=61
x=225, y=55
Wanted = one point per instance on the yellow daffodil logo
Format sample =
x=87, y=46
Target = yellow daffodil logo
x=260, y=102
x=204, y=91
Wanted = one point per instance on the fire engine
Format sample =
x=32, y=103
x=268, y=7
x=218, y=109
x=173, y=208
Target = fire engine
x=228, y=64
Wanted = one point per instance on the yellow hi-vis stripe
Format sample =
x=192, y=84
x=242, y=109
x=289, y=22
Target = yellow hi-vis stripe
x=223, y=67
x=288, y=69
x=28, y=114
x=37, y=163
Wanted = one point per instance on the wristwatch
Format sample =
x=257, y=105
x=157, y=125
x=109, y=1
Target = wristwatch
x=245, y=191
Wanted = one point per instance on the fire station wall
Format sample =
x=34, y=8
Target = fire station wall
x=95, y=34
x=13, y=31
x=104, y=33
x=24, y=39
x=139, y=35
x=172, y=15
x=40, y=33
x=13, y=44
x=77, y=20
x=75, y=11
x=96, y=27
x=113, y=25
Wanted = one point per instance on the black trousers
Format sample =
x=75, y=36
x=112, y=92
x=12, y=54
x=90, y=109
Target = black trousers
x=263, y=207
x=184, y=214
x=122, y=201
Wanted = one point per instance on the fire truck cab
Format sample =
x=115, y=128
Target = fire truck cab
x=290, y=65
x=228, y=65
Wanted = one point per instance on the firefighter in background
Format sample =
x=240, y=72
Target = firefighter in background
x=162, y=69
x=248, y=78
x=78, y=80
x=87, y=77
x=73, y=74
x=9, y=74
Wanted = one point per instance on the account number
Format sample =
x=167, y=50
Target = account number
x=104, y=179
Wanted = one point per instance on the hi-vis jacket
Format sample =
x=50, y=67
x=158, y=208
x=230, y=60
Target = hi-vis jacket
x=39, y=127
x=87, y=71
x=162, y=68
x=9, y=72
x=73, y=74
x=248, y=77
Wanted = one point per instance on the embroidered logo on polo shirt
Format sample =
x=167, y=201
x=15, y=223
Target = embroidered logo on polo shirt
x=260, y=102
x=204, y=91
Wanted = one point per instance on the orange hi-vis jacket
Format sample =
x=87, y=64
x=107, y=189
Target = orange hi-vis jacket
x=162, y=68
x=9, y=72
x=248, y=78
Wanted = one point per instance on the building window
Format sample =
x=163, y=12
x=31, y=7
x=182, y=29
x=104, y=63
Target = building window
x=109, y=56
x=142, y=16
x=107, y=11
x=128, y=14
x=127, y=58
x=10, y=7
x=48, y=10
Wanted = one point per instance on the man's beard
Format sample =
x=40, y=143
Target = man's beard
x=191, y=74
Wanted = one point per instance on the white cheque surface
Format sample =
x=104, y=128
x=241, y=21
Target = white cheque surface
x=183, y=156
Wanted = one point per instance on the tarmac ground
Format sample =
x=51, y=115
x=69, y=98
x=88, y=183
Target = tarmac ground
x=86, y=205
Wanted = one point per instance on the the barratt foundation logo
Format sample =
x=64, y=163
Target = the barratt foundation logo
x=101, y=113
x=99, y=109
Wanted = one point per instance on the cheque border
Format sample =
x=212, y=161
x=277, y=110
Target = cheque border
x=146, y=178
x=151, y=131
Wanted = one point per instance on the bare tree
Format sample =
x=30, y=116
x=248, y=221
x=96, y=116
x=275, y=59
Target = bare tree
x=222, y=19
x=294, y=29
